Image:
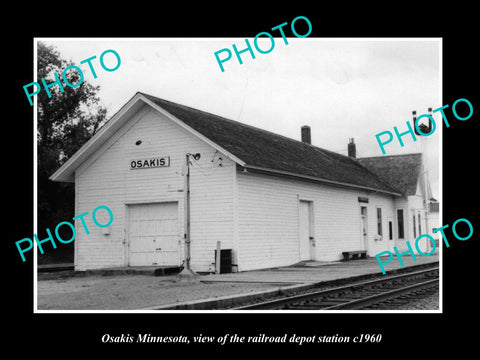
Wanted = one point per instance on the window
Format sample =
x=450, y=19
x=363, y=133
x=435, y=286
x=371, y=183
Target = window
x=419, y=225
x=401, y=232
x=379, y=221
x=414, y=228
x=390, y=231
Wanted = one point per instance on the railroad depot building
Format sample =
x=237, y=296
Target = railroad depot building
x=270, y=200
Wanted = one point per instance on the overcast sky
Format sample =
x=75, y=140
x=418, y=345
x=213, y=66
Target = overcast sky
x=342, y=88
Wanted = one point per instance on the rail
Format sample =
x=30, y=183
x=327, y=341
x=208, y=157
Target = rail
x=352, y=296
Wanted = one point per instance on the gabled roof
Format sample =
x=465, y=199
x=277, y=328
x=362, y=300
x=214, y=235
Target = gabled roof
x=402, y=172
x=248, y=146
x=262, y=149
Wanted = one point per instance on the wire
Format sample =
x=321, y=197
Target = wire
x=206, y=171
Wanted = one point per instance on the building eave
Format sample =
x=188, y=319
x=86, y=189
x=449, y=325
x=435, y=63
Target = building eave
x=180, y=123
x=66, y=173
x=259, y=169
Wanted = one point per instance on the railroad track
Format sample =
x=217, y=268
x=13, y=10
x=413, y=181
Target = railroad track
x=360, y=295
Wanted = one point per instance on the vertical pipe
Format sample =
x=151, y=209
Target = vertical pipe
x=187, y=274
x=427, y=207
x=217, y=257
x=187, y=212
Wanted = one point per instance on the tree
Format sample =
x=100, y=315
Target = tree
x=66, y=121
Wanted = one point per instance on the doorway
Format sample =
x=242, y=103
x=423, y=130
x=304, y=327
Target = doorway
x=364, y=224
x=153, y=234
x=306, y=231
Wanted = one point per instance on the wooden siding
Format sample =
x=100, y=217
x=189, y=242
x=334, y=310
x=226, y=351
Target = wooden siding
x=106, y=179
x=211, y=195
x=257, y=216
x=269, y=220
x=413, y=205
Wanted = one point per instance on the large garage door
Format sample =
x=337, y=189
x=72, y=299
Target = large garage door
x=154, y=234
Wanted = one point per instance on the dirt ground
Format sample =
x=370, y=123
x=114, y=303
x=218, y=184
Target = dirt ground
x=130, y=292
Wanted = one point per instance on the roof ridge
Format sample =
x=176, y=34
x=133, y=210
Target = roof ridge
x=385, y=156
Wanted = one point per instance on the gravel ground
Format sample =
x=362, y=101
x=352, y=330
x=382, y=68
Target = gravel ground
x=430, y=302
x=130, y=292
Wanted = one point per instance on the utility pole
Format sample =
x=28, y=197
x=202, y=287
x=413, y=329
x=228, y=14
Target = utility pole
x=423, y=145
x=187, y=212
x=187, y=274
x=427, y=206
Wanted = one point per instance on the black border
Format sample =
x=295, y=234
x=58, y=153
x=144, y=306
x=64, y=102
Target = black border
x=404, y=333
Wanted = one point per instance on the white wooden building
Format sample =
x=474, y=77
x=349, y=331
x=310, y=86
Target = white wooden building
x=272, y=200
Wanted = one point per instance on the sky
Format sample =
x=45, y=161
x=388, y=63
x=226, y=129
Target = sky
x=342, y=88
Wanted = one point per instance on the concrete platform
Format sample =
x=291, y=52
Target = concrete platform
x=316, y=271
x=144, y=270
x=139, y=270
x=292, y=279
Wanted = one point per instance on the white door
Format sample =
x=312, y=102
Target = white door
x=363, y=211
x=154, y=234
x=306, y=231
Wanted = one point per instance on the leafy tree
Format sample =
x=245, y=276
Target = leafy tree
x=66, y=121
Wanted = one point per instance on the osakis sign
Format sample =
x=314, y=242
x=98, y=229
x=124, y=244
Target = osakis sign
x=23, y=249
x=37, y=87
x=150, y=163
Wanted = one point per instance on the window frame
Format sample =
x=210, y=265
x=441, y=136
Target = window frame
x=401, y=229
x=419, y=223
x=379, y=221
x=414, y=227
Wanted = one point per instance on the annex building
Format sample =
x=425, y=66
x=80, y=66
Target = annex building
x=177, y=177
